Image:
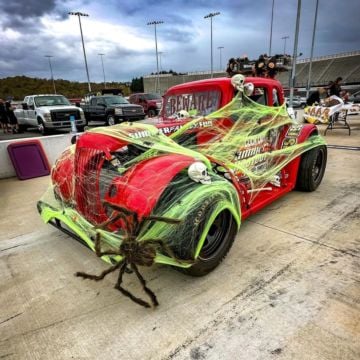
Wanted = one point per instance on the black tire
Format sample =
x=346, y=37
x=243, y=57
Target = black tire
x=42, y=128
x=111, y=120
x=151, y=112
x=311, y=169
x=218, y=242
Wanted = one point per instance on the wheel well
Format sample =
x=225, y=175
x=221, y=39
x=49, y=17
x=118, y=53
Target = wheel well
x=39, y=120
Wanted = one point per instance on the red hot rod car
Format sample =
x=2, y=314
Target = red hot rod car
x=175, y=191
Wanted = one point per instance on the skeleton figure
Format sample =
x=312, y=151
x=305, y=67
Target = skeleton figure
x=238, y=82
x=198, y=172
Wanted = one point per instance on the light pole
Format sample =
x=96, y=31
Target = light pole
x=103, y=69
x=160, y=53
x=220, y=48
x=271, y=26
x=284, y=38
x=79, y=14
x=51, y=71
x=293, y=70
x=211, y=15
x=312, y=49
x=157, y=82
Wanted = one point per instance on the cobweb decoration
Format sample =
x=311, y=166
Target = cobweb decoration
x=125, y=190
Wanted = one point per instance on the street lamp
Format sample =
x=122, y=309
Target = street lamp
x=79, y=14
x=293, y=70
x=312, y=50
x=220, y=48
x=51, y=71
x=211, y=15
x=157, y=82
x=271, y=26
x=284, y=38
x=103, y=69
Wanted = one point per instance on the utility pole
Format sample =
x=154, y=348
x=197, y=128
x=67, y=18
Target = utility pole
x=51, y=71
x=220, y=48
x=157, y=82
x=211, y=15
x=103, y=69
x=79, y=14
x=160, y=54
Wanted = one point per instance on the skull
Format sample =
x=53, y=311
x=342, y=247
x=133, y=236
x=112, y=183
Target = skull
x=237, y=82
x=198, y=172
x=182, y=114
x=249, y=89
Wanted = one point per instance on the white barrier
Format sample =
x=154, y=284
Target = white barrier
x=53, y=146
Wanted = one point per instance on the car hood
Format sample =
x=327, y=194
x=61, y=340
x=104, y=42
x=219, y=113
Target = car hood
x=57, y=107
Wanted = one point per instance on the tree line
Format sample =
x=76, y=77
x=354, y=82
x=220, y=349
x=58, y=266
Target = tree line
x=17, y=87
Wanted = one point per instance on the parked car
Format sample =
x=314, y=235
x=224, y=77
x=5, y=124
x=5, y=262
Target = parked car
x=48, y=112
x=112, y=109
x=151, y=102
x=298, y=102
x=176, y=193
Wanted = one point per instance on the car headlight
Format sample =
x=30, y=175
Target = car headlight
x=47, y=116
x=118, y=111
x=198, y=172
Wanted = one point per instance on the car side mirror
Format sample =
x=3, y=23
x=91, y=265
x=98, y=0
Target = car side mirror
x=31, y=107
x=77, y=104
x=24, y=106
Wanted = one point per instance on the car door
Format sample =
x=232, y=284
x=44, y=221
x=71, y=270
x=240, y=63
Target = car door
x=100, y=108
x=92, y=108
x=31, y=113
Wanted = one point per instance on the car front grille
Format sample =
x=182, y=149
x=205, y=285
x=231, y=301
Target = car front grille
x=132, y=111
x=64, y=115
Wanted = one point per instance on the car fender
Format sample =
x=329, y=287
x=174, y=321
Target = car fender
x=140, y=188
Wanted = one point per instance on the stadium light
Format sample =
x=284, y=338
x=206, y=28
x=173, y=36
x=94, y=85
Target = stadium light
x=103, y=69
x=220, y=48
x=157, y=82
x=211, y=15
x=79, y=14
x=293, y=70
x=51, y=71
x=284, y=38
x=271, y=25
x=312, y=50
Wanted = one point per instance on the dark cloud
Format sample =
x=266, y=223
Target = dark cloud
x=243, y=27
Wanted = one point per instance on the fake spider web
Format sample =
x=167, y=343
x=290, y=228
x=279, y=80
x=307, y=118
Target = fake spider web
x=107, y=187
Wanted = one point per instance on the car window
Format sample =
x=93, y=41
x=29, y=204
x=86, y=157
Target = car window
x=93, y=101
x=30, y=100
x=204, y=102
x=100, y=101
x=259, y=96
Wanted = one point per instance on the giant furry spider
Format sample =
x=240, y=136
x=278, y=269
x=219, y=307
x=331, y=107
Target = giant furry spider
x=134, y=252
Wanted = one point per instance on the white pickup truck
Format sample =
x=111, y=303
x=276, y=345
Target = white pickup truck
x=49, y=112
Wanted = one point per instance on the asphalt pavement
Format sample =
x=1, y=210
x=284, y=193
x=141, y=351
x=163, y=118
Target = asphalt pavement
x=288, y=289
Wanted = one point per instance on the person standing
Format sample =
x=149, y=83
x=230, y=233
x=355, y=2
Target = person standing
x=3, y=117
x=335, y=87
x=12, y=118
x=315, y=96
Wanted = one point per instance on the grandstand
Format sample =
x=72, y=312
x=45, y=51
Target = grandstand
x=324, y=69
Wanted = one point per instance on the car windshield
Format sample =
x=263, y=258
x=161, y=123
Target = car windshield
x=50, y=100
x=114, y=100
x=152, y=97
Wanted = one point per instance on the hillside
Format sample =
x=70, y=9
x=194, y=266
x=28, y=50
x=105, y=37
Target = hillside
x=18, y=87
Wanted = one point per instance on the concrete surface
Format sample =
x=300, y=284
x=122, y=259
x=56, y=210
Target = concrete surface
x=289, y=288
x=53, y=146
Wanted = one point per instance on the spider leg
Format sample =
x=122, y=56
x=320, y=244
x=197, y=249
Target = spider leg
x=163, y=219
x=167, y=250
x=98, y=251
x=149, y=292
x=102, y=275
x=126, y=292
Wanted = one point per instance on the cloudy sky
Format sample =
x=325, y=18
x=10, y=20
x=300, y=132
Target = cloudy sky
x=33, y=28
